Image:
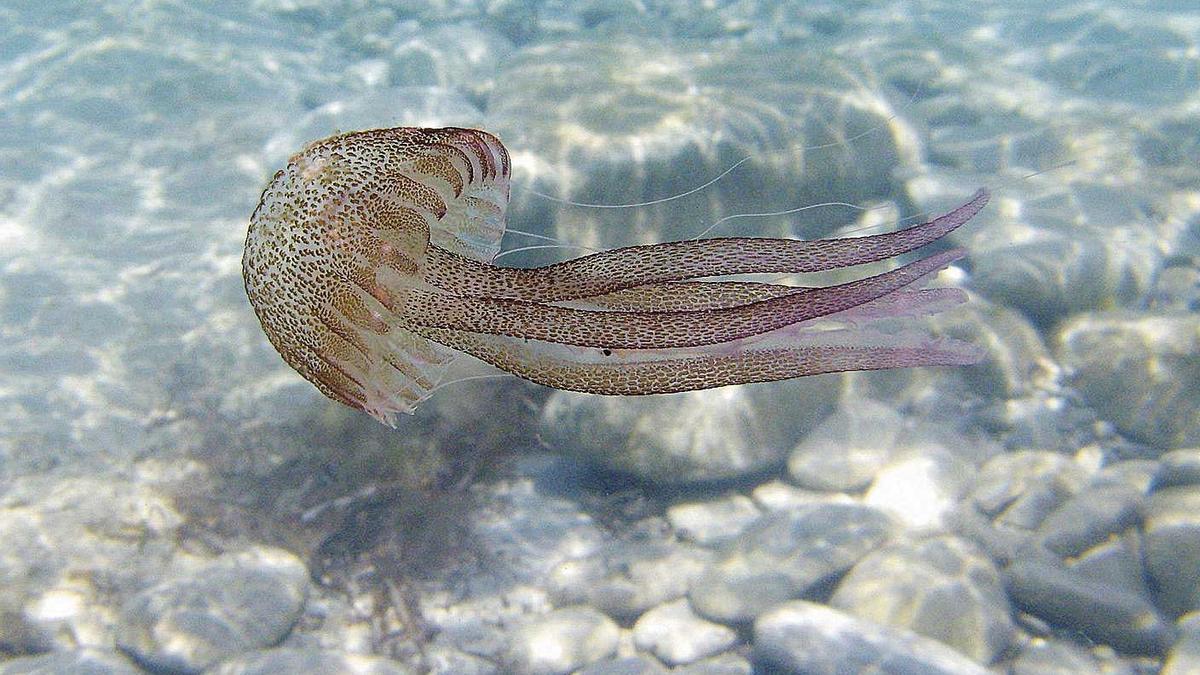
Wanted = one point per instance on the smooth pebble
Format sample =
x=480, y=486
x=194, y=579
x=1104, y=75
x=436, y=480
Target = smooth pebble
x=562, y=641
x=674, y=633
x=239, y=603
x=802, y=637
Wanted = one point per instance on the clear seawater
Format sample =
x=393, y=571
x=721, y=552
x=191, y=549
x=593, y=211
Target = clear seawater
x=136, y=137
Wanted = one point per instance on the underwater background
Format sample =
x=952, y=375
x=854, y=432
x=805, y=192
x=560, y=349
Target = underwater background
x=175, y=499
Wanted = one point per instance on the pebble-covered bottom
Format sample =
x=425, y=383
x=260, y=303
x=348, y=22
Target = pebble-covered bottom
x=173, y=499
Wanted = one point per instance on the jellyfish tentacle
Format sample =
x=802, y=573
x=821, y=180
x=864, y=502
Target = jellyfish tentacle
x=697, y=295
x=367, y=262
x=608, y=271
x=909, y=301
x=655, y=372
x=655, y=330
x=675, y=296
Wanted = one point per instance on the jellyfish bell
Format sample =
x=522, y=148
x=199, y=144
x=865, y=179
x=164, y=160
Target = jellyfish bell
x=369, y=263
x=343, y=232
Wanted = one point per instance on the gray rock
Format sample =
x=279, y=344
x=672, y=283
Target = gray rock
x=631, y=665
x=693, y=436
x=1176, y=468
x=1177, y=287
x=1138, y=474
x=1064, y=248
x=1117, y=561
x=480, y=626
x=242, y=602
x=1021, y=489
x=20, y=634
x=625, y=126
x=1090, y=518
x=562, y=641
x=921, y=488
x=1034, y=505
x=623, y=580
x=1044, y=657
x=68, y=544
x=803, y=637
x=1184, y=657
x=1141, y=371
x=1172, y=546
x=943, y=588
x=777, y=495
x=1002, y=544
x=674, y=633
x=782, y=556
x=1063, y=274
x=310, y=662
x=85, y=662
x=533, y=530
x=1045, y=509
x=714, y=521
x=1101, y=612
x=1018, y=362
x=848, y=448
x=725, y=664
x=441, y=659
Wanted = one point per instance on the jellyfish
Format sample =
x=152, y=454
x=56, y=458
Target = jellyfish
x=369, y=263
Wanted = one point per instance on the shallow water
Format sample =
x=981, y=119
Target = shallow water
x=149, y=434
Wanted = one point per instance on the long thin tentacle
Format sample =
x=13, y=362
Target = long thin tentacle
x=691, y=296
x=609, y=271
x=910, y=300
x=683, y=296
x=658, y=373
x=655, y=330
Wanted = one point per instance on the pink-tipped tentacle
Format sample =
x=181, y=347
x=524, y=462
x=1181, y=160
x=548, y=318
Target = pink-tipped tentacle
x=639, y=372
x=655, y=330
x=608, y=271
